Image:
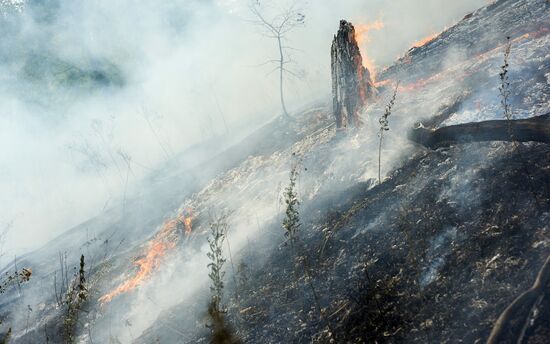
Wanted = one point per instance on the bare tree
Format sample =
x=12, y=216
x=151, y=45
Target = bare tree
x=276, y=26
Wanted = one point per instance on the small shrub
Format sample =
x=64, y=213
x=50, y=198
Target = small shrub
x=384, y=126
x=221, y=331
x=74, y=300
x=218, y=231
x=291, y=223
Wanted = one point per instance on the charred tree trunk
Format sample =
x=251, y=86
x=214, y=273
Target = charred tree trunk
x=522, y=130
x=352, y=85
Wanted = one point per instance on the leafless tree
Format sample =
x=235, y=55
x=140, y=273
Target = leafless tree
x=276, y=25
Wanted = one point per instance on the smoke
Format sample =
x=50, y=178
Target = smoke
x=85, y=84
x=96, y=96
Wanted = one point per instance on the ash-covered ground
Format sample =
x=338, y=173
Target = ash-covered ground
x=434, y=253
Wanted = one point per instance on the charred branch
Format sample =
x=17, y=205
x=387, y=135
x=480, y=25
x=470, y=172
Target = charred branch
x=535, y=129
x=511, y=324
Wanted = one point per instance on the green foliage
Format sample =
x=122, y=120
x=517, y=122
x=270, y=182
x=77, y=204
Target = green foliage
x=291, y=223
x=221, y=331
x=218, y=231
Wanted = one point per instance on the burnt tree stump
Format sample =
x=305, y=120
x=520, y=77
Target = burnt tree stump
x=352, y=85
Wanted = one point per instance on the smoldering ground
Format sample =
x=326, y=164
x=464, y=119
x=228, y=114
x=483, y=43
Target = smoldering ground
x=155, y=102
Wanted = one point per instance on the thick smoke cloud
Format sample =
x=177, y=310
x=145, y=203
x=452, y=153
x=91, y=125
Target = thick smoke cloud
x=88, y=86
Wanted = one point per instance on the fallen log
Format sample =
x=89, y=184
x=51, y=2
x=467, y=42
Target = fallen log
x=535, y=129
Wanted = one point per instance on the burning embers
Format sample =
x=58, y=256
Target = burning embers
x=163, y=242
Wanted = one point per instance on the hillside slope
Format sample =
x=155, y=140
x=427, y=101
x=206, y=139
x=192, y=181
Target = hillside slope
x=434, y=253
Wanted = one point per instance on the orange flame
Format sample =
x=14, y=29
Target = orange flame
x=164, y=241
x=420, y=83
x=187, y=221
x=383, y=83
x=362, y=31
x=426, y=40
x=146, y=265
x=363, y=38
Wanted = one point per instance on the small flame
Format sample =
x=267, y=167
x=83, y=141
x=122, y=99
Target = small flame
x=146, y=265
x=187, y=220
x=164, y=241
x=426, y=40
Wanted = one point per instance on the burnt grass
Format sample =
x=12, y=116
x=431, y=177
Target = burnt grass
x=434, y=254
x=361, y=272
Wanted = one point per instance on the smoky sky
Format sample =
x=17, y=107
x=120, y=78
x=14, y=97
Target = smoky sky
x=87, y=86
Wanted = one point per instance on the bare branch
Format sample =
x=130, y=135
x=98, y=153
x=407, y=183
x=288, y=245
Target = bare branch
x=266, y=62
x=291, y=73
x=286, y=47
x=273, y=70
x=261, y=20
